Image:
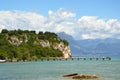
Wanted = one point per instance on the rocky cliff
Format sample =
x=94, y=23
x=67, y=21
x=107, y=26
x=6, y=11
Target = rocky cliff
x=65, y=49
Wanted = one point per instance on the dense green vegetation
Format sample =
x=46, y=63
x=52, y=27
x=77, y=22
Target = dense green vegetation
x=24, y=45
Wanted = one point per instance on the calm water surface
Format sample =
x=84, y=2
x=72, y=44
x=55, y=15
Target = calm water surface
x=54, y=70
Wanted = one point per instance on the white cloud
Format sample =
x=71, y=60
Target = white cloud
x=95, y=35
x=61, y=14
x=92, y=27
x=86, y=27
x=93, y=23
x=22, y=20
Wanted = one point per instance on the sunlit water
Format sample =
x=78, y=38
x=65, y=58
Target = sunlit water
x=54, y=70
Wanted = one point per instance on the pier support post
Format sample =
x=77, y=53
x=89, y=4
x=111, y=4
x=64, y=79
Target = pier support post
x=90, y=58
x=72, y=59
x=84, y=58
x=96, y=58
x=103, y=58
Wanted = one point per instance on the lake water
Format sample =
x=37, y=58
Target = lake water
x=54, y=70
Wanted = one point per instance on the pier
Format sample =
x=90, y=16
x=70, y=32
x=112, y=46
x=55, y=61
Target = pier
x=65, y=59
x=75, y=58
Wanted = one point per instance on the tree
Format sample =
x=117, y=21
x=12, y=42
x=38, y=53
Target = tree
x=3, y=54
x=65, y=42
x=34, y=58
x=19, y=31
x=40, y=33
x=4, y=31
x=33, y=32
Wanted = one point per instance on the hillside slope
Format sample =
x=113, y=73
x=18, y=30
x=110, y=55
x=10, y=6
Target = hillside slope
x=27, y=45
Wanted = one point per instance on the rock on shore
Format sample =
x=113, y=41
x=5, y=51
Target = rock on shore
x=77, y=76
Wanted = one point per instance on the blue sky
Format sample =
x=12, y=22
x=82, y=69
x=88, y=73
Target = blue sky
x=101, y=8
x=82, y=19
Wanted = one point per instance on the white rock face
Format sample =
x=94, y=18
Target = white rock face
x=65, y=49
x=15, y=41
x=44, y=43
x=66, y=52
x=60, y=46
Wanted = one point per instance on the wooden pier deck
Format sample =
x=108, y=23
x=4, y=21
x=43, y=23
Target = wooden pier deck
x=75, y=58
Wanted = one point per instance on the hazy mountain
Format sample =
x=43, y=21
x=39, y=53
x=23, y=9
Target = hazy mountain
x=93, y=47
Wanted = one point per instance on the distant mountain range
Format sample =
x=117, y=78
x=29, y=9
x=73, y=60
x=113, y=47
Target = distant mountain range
x=93, y=47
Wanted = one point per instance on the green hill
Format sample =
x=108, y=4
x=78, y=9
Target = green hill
x=27, y=45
